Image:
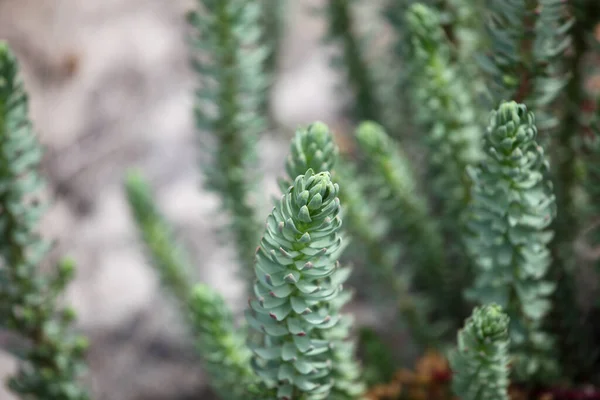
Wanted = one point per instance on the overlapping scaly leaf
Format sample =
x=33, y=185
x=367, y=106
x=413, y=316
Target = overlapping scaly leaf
x=398, y=105
x=299, y=295
x=480, y=364
x=512, y=208
x=229, y=60
x=447, y=114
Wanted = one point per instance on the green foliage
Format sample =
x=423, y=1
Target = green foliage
x=341, y=30
x=298, y=296
x=393, y=168
x=448, y=118
x=29, y=306
x=394, y=13
x=410, y=212
x=456, y=22
x=273, y=18
x=592, y=165
x=481, y=362
x=273, y=22
x=447, y=115
x=474, y=221
x=370, y=233
x=167, y=256
x=221, y=345
x=527, y=41
x=574, y=337
x=512, y=208
x=312, y=148
x=379, y=363
x=578, y=338
x=229, y=61
x=409, y=236
x=466, y=29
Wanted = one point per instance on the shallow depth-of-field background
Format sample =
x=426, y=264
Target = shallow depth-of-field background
x=110, y=88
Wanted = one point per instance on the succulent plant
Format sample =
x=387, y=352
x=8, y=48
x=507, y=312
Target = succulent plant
x=222, y=345
x=229, y=57
x=448, y=115
x=219, y=341
x=512, y=208
x=52, y=364
x=312, y=148
x=481, y=361
x=299, y=292
x=409, y=214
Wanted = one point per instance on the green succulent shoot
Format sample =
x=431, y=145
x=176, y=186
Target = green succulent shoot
x=512, y=208
x=537, y=75
x=446, y=111
x=169, y=258
x=353, y=59
x=399, y=192
x=299, y=294
x=228, y=58
x=312, y=148
x=480, y=365
x=409, y=212
x=221, y=344
x=53, y=362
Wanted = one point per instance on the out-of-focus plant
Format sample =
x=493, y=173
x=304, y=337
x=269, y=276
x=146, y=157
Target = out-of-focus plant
x=51, y=366
x=229, y=58
x=447, y=214
x=481, y=360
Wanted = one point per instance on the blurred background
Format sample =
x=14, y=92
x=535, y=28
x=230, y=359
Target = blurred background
x=110, y=88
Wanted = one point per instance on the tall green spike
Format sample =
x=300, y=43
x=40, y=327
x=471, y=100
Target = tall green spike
x=54, y=360
x=298, y=296
x=229, y=61
x=513, y=206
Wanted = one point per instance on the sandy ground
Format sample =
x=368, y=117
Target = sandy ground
x=110, y=89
